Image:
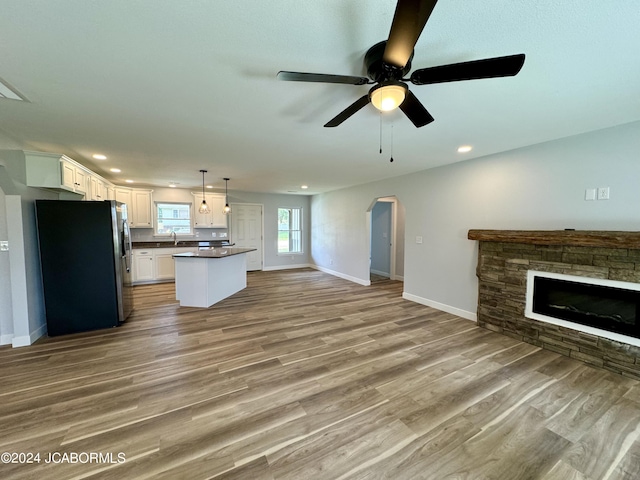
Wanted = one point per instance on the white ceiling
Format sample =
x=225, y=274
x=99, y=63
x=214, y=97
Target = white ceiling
x=165, y=88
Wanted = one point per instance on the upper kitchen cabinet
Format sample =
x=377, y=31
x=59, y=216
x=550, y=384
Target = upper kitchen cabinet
x=52, y=170
x=139, y=206
x=215, y=218
x=97, y=189
x=142, y=208
x=74, y=177
x=59, y=172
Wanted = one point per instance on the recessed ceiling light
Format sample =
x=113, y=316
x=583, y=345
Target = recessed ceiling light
x=464, y=148
x=172, y=185
x=115, y=170
x=209, y=186
x=99, y=156
x=304, y=187
x=129, y=181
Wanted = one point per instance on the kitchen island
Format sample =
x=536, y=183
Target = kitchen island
x=208, y=276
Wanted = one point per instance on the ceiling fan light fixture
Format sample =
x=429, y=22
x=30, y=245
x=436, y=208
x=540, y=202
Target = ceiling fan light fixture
x=388, y=96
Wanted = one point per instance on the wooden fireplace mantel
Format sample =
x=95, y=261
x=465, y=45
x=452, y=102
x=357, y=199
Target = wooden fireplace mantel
x=578, y=238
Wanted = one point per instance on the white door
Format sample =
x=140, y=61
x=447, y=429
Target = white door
x=246, y=231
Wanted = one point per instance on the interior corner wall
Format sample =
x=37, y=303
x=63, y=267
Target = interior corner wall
x=6, y=315
x=537, y=187
x=27, y=298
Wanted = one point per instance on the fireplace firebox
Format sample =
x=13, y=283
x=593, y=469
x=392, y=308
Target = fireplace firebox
x=611, y=306
x=612, y=309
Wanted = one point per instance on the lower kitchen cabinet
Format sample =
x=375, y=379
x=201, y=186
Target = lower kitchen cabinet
x=143, y=270
x=156, y=264
x=165, y=270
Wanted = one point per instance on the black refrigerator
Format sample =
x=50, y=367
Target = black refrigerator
x=85, y=254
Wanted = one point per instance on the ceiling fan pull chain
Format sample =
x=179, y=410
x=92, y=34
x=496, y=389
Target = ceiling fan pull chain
x=380, y=132
x=391, y=159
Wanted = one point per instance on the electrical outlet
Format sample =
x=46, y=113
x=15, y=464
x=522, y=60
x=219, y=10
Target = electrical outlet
x=331, y=261
x=603, y=193
x=418, y=239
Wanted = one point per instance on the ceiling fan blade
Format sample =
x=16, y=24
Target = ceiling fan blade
x=487, y=68
x=410, y=18
x=321, y=77
x=347, y=112
x=415, y=111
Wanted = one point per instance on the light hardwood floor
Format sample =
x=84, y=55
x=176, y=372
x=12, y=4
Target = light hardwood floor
x=306, y=376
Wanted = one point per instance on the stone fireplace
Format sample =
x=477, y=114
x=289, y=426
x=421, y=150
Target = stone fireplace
x=573, y=292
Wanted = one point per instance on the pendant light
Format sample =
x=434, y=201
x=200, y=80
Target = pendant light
x=227, y=209
x=204, y=208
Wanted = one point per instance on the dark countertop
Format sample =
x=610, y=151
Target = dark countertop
x=221, y=252
x=181, y=243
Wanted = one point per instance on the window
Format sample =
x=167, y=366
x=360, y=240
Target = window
x=289, y=230
x=173, y=217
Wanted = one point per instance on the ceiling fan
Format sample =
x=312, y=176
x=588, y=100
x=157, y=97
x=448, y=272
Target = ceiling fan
x=389, y=61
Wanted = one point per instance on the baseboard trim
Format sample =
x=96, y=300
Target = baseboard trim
x=285, y=267
x=359, y=281
x=382, y=274
x=6, y=339
x=26, y=340
x=400, y=278
x=441, y=306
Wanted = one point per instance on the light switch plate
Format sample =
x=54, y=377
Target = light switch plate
x=590, y=194
x=418, y=239
x=4, y=246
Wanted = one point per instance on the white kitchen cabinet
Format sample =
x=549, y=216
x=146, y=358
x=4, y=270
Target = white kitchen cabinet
x=163, y=263
x=139, y=206
x=72, y=177
x=143, y=270
x=156, y=264
x=52, y=170
x=215, y=218
x=111, y=191
x=97, y=190
x=59, y=172
x=123, y=195
x=142, y=209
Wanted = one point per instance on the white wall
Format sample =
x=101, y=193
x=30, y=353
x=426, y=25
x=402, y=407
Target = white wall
x=538, y=187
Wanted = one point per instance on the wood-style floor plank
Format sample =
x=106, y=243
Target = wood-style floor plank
x=307, y=376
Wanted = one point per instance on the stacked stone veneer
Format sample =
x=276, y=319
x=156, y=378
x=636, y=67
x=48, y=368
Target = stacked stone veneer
x=502, y=273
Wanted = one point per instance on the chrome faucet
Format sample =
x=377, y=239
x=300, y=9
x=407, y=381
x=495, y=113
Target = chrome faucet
x=175, y=238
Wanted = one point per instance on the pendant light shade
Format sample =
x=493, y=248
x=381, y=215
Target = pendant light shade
x=204, y=208
x=227, y=209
